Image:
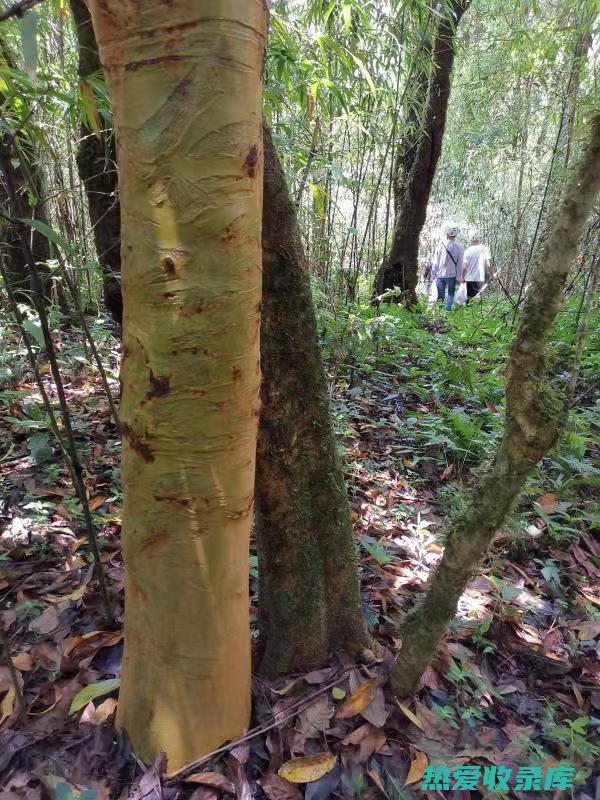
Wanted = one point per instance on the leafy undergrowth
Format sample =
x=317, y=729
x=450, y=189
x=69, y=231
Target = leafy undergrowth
x=418, y=408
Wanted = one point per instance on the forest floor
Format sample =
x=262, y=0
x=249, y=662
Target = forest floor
x=417, y=402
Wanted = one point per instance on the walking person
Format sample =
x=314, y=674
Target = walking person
x=447, y=266
x=477, y=266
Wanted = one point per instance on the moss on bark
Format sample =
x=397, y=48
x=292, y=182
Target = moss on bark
x=308, y=568
x=533, y=420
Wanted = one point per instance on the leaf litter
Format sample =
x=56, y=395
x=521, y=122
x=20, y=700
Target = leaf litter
x=526, y=632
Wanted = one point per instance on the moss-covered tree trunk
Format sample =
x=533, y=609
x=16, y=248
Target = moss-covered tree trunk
x=416, y=166
x=185, y=83
x=96, y=163
x=534, y=412
x=309, y=596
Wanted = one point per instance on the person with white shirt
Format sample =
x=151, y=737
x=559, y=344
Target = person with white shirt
x=477, y=263
x=447, y=266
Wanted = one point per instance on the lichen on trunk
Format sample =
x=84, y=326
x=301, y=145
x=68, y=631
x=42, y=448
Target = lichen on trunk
x=308, y=570
x=185, y=83
x=534, y=415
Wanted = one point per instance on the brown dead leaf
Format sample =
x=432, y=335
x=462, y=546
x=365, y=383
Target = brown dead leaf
x=417, y=768
x=411, y=716
x=239, y=779
x=550, y=641
x=97, y=501
x=7, y=706
x=277, y=788
x=46, y=623
x=319, y=675
x=307, y=768
x=358, y=701
x=205, y=793
x=99, y=715
x=213, y=779
x=82, y=647
x=447, y=472
x=6, y=679
x=548, y=503
x=316, y=718
x=369, y=740
x=23, y=661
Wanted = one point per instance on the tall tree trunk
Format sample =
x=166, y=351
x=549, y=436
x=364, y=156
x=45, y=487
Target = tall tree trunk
x=534, y=412
x=308, y=600
x=416, y=167
x=185, y=83
x=96, y=162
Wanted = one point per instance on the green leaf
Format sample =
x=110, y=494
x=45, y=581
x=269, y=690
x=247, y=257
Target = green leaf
x=29, y=26
x=39, y=447
x=92, y=691
x=34, y=330
x=50, y=234
x=319, y=194
x=337, y=693
x=347, y=14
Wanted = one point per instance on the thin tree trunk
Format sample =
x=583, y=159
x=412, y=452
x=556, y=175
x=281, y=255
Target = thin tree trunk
x=96, y=162
x=417, y=164
x=534, y=414
x=185, y=84
x=308, y=570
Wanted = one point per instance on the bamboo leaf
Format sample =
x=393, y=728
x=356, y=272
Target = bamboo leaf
x=50, y=234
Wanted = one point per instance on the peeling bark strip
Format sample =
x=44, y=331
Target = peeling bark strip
x=417, y=163
x=186, y=100
x=309, y=602
x=534, y=413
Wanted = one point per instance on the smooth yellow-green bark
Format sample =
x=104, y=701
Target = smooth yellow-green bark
x=185, y=81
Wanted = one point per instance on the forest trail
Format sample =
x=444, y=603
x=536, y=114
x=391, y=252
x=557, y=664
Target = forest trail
x=516, y=683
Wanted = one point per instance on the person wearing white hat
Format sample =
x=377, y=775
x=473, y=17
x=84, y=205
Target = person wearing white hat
x=477, y=261
x=447, y=266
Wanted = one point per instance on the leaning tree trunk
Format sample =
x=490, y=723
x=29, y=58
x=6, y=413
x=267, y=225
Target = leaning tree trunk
x=309, y=600
x=186, y=92
x=96, y=162
x=416, y=171
x=534, y=411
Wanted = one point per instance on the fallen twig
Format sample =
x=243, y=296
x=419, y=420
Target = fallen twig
x=280, y=719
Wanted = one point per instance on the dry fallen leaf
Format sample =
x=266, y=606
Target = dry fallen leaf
x=369, y=740
x=96, y=502
x=46, y=622
x=417, y=768
x=214, y=779
x=411, y=716
x=101, y=714
x=548, y=503
x=277, y=788
x=307, y=768
x=23, y=661
x=7, y=705
x=81, y=647
x=358, y=701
